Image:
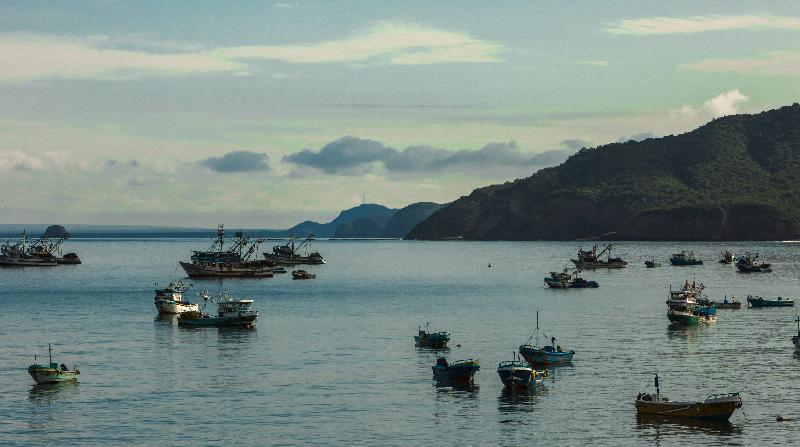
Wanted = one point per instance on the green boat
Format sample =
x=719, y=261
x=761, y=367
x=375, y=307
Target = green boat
x=231, y=312
x=683, y=309
x=52, y=372
x=757, y=301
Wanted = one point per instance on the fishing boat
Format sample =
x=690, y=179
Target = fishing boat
x=568, y=280
x=652, y=263
x=40, y=253
x=684, y=258
x=236, y=260
x=727, y=257
x=757, y=301
x=302, y=274
x=796, y=338
x=427, y=339
x=461, y=372
x=724, y=304
x=683, y=309
x=169, y=300
x=591, y=259
x=749, y=264
x=230, y=312
x=715, y=406
x=291, y=253
x=52, y=372
x=548, y=354
x=517, y=373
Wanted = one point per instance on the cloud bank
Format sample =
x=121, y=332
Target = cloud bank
x=238, y=161
x=778, y=63
x=700, y=24
x=351, y=156
x=721, y=105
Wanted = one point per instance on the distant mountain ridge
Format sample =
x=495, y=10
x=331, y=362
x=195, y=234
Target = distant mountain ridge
x=734, y=178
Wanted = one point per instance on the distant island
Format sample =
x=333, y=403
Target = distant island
x=734, y=178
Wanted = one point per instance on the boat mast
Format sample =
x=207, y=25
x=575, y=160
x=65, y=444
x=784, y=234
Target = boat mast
x=50, y=351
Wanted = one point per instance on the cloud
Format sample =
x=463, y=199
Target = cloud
x=721, y=105
x=25, y=57
x=238, y=161
x=353, y=156
x=699, y=24
x=16, y=160
x=576, y=144
x=386, y=42
x=777, y=63
x=637, y=137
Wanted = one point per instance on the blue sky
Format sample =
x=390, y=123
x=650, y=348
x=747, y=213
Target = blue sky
x=267, y=113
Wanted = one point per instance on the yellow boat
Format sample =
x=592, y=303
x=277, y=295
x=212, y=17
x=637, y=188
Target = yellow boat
x=715, y=406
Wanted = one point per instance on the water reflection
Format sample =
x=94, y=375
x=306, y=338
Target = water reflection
x=460, y=389
x=166, y=319
x=680, y=332
x=47, y=393
x=670, y=426
x=516, y=400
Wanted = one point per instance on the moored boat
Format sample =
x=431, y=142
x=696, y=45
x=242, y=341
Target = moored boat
x=724, y=304
x=233, y=261
x=290, y=254
x=684, y=258
x=683, y=307
x=427, y=339
x=757, y=301
x=749, y=264
x=568, y=280
x=460, y=372
x=302, y=274
x=591, y=259
x=652, y=264
x=727, y=257
x=516, y=374
x=548, y=354
x=230, y=312
x=169, y=300
x=715, y=406
x=52, y=372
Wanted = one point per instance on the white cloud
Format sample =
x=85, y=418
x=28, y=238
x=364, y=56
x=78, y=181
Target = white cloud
x=699, y=24
x=778, y=63
x=387, y=42
x=16, y=160
x=721, y=105
x=25, y=57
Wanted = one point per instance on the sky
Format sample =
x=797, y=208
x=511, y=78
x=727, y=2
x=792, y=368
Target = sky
x=264, y=114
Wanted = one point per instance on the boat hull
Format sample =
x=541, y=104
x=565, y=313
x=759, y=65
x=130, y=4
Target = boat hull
x=455, y=374
x=518, y=377
x=599, y=264
x=43, y=374
x=682, y=262
x=761, y=302
x=293, y=260
x=712, y=409
x=238, y=321
x=538, y=356
x=431, y=342
x=684, y=319
x=220, y=270
x=27, y=262
x=175, y=307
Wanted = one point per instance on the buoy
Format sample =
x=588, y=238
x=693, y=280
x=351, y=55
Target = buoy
x=490, y=265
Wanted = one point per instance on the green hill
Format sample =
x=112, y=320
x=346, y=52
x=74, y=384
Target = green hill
x=735, y=178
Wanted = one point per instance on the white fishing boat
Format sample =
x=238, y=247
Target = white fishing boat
x=169, y=300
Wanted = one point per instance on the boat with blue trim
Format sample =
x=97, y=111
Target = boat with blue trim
x=757, y=301
x=684, y=258
x=749, y=264
x=548, y=354
x=52, y=372
x=460, y=372
x=230, y=312
x=427, y=339
x=517, y=373
x=683, y=307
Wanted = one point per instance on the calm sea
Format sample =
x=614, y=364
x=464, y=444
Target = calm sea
x=332, y=361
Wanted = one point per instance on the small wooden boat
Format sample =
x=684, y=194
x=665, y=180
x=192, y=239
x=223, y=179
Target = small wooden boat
x=461, y=372
x=546, y=355
x=757, y=301
x=796, y=338
x=517, y=374
x=684, y=258
x=52, y=372
x=302, y=274
x=715, y=406
x=230, y=312
x=427, y=339
x=652, y=264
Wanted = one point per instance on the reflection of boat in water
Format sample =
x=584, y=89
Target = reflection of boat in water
x=169, y=300
x=693, y=425
x=715, y=406
x=549, y=354
x=683, y=309
x=40, y=253
x=684, y=258
x=52, y=372
x=568, y=280
x=591, y=259
x=230, y=312
x=235, y=261
x=460, y=372
x=289, y=254
x=757, y=301
x=427, y=339
x=749, y=264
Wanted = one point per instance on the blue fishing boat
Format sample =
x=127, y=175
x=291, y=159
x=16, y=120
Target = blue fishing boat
x=460, y=372
x=427, y=339
x=549, y=354
x=516, y=374
x=52, y=372
x=684, y=258
x=230, y=312
x=757, y=301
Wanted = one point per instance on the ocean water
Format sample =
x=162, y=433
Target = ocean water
x=332, y=361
